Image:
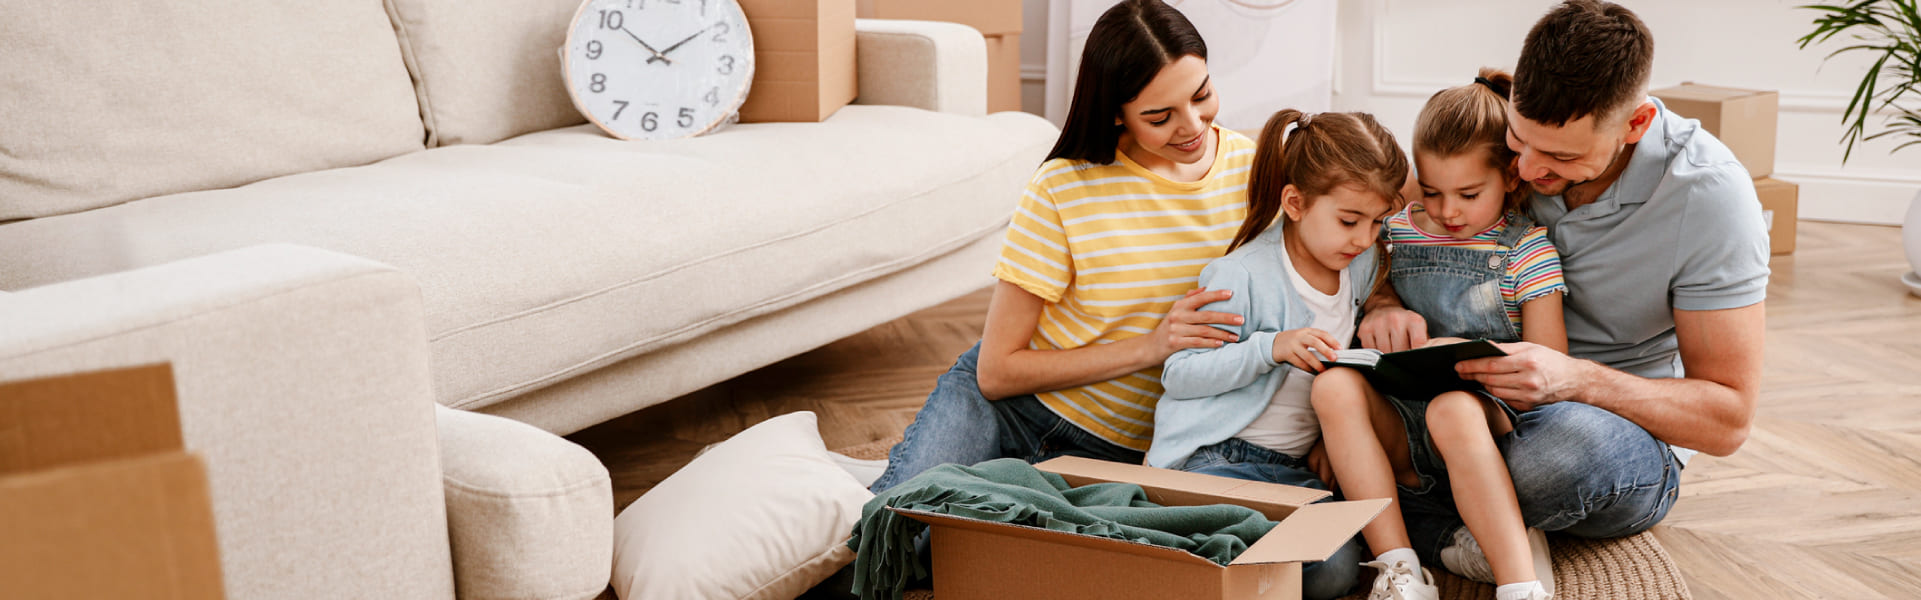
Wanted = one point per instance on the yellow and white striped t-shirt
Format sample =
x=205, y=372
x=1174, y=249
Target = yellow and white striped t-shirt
x=1110, y=248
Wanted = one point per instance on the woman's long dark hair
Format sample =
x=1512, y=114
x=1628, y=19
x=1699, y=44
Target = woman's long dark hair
x=1126, y=49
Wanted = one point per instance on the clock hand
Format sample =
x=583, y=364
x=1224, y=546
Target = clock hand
x=658, y=55
x=663, y=53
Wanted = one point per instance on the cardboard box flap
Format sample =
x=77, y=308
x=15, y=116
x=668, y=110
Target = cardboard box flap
x=87, y=417
x=1056, y=537
x=1313, y=533
x=1082, y=471
x=1168, y=487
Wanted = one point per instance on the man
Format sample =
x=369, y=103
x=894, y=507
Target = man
x=1665, y=256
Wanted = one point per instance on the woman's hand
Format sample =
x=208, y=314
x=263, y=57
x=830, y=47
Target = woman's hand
x=1297, y=346
x=1186, y=326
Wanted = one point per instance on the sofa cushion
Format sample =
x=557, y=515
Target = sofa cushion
x=489, y=70
x=553, y=254
x=106, y=104
x=529, y=514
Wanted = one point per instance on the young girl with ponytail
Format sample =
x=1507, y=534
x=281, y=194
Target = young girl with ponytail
x=1298, y=270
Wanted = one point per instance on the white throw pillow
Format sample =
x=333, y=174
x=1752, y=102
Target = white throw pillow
x=764, y=515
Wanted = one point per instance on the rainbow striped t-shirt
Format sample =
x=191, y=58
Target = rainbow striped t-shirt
x=1110, y=247
x=1533, y=268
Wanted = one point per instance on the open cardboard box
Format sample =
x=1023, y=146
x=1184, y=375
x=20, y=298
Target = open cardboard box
x=979, y=560
x=98, y=497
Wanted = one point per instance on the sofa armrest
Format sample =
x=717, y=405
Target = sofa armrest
x=923, y=64
x=531, y=515
x=303, y=383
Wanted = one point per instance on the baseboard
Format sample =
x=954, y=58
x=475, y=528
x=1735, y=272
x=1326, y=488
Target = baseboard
x=1853, y=196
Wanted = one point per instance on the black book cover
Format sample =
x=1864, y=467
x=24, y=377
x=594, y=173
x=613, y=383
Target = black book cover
x=1418, y=374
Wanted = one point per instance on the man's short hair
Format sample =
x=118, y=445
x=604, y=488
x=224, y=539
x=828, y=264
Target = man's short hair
x=1585, y=57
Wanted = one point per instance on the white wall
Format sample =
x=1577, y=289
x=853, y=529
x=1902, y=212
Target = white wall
x=1392, y=54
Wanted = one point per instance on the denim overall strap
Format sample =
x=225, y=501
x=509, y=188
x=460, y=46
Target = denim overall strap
x=1518, y=222
x=1458, y=290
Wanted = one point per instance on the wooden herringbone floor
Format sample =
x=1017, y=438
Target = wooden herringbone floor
x=1824, y=501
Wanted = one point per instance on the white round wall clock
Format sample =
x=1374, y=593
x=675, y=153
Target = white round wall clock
x=658, y=69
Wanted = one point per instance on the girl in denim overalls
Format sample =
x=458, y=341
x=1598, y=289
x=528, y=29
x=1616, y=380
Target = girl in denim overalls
x=1474, y=266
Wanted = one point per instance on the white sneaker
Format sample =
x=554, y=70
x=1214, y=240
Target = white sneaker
x=1400, y=582
x=1465, y=558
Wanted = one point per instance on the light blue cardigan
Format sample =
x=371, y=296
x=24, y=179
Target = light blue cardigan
x=1214, y=393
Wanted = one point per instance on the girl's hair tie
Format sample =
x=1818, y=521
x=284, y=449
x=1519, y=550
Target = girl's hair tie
x=1489, y=85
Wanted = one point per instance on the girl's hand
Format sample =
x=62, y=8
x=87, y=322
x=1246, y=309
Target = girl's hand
x=1186, y=326
x=1295, y=347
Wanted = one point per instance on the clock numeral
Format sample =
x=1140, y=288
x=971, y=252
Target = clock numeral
x=636, y=4
x=720, y=32
x=598, y=84
x=712, y=97
x=593, y=49
x=650, y=121
x=623, y=106
x=726, y=64
x=686, y=118
x=703, y=8
x=612, y=19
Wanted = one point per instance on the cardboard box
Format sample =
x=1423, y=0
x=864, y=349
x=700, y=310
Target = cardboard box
x=98, y=498
x=803, y=59
x=1003, y=72
x=980, y=560
x=1745, y=120
x=1780, y=207
x=991, y=17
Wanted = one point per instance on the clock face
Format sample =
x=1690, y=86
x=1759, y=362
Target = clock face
x=658, y=69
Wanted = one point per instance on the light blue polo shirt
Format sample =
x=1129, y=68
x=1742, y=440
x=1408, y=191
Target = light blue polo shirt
x=1681, y=229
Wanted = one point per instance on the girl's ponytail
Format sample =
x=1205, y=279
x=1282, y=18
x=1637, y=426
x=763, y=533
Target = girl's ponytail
x=1471, y=118
x=1316, y=153
x=1268, y=177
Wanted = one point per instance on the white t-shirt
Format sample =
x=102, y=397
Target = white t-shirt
x=1288, y=425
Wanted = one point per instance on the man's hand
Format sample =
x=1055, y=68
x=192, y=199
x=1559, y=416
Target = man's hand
x=1186, y=326
x=1529, y=376
x=1392, y=329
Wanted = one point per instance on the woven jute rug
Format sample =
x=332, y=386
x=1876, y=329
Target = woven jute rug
x=1630, y=568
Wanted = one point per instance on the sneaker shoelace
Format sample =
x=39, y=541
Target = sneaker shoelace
x=1398, y=575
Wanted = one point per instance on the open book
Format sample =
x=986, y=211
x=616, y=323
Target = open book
x=1419, y=374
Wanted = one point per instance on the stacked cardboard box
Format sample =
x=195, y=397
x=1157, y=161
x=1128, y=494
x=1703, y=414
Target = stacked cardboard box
x=803, y=59
x=1746, y=121
x=98, y=498
x=998, y=20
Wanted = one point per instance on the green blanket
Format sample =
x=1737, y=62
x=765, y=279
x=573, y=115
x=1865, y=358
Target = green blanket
x=1010, y=491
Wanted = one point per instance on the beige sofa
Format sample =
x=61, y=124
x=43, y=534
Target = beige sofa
x=341, y=222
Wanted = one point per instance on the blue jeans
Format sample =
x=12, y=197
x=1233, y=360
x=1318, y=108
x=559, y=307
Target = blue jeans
x=1577, y=469
x=959, y=425
x=1239, y=459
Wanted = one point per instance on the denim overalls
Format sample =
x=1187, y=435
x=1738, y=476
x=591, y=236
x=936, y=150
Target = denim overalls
x=1458, y=292
x=1456, y=289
